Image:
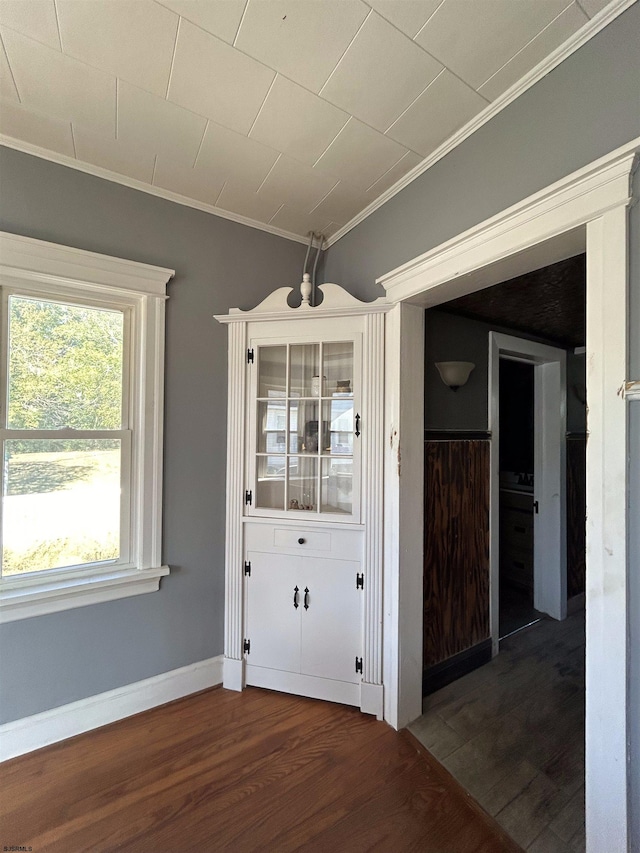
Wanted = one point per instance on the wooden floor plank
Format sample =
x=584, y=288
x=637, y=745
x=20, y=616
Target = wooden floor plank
x=251, y=771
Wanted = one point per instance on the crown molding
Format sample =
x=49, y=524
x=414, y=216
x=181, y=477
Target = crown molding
x=132, y=183
x=580, y=37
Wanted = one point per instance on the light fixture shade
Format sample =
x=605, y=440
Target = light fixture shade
x=454, y=373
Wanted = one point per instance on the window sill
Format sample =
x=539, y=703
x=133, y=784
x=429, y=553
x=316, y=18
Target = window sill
x=56, y=594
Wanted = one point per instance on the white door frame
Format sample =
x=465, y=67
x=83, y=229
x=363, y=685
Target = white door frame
x=550, y=544
x=585, y=211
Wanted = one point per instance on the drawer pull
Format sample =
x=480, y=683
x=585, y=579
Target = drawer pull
x=519, y=529
x=518, y=564
x=306, y=598
x=295, y=597
x=301, y=541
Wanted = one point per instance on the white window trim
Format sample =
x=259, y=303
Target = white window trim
x=64, y=272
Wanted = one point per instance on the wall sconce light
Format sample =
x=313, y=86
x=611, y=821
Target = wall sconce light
x=454, y=373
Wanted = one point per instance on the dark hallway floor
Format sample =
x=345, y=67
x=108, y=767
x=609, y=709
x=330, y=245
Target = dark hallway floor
x=512, y=732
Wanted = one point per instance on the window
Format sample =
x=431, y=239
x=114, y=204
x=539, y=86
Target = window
x=81, y=383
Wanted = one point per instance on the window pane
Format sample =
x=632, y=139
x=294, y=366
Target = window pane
x=305, y=381
x=303, y=483
x=272, y=371
x=65, y=366
x=61, y=503
x=337, y=485
x=270, y=486
x=338, y=414
x=272, y=426
x=338, y=368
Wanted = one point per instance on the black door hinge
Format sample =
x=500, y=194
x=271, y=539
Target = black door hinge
x=248, y=497
x=359, y=580
x=249, y=356
x=247, y=567
x=359, y=665
x=246, y=646
x=536, y=507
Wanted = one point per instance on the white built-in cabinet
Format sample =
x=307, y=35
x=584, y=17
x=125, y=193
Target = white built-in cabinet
x=303, y=602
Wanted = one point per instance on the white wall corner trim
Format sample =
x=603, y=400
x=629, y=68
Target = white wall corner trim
x=25, y=735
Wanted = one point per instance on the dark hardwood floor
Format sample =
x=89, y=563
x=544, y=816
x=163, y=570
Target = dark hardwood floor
x=251, y=771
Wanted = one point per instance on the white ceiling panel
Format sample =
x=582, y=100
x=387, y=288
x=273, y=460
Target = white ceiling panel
x=360, y=155
x=298, y=222
x=174, y=174
x=407, y=15
x=33, y=18
x=153, y=124
x=440, y=110
x=380, y=74
x=219, y=17
x=235, y=157
x=592, y=7
x=238, y=200
x=343, y=202
x=408, y=162
x=133, y=40
x=7, y=85
x=296, y=184
x=297, y=122
x=36, y=129
x=558, y=31
x=475, y=39
x=302, y=40
x=211, y=78
x=52, y=83
x=114, y=154
x=298, y=114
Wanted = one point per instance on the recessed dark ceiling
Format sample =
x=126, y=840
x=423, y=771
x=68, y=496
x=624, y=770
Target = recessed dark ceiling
x=548, y=303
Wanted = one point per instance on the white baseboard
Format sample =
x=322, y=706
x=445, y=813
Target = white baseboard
x=25, y=735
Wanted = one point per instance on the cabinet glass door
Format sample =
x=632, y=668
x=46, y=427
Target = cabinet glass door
x=306, y=426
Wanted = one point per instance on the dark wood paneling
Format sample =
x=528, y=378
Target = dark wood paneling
x=456, y=548
x=241, y=772
x=440, y=674
x=576, y=514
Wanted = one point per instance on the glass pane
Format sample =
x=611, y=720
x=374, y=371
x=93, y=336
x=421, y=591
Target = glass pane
x=272, y=426
x=272, y=371
x=65, y=366
x=338, y=416
x=338, y=368
x=61, y=503
x=303, y=427
x=337, y=485
x=270, y=481
x=303, y=483
x=304, y=369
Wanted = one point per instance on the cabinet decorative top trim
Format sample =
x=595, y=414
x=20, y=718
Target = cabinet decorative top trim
x=336, y=300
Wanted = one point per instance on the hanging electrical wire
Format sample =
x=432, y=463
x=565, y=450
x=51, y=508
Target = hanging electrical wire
x=320, y=240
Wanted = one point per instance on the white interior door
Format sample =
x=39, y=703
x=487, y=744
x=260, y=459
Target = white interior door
x=332, y=623
x=273, y=620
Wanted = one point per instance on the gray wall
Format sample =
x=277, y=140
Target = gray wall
x=585, y=108
x=452, y=338
x=51, y=660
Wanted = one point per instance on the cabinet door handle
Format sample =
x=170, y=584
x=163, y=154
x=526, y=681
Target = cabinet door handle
x=306, y=598
x=357, y=425
x=295, y=597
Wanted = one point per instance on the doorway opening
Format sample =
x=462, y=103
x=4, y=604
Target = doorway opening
x=516, y=502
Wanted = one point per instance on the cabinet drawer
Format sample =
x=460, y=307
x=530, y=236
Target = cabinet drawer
x=312, y=540
x=279, y=538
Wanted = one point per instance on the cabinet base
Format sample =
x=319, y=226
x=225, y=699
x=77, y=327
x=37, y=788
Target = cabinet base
x=303, y=685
